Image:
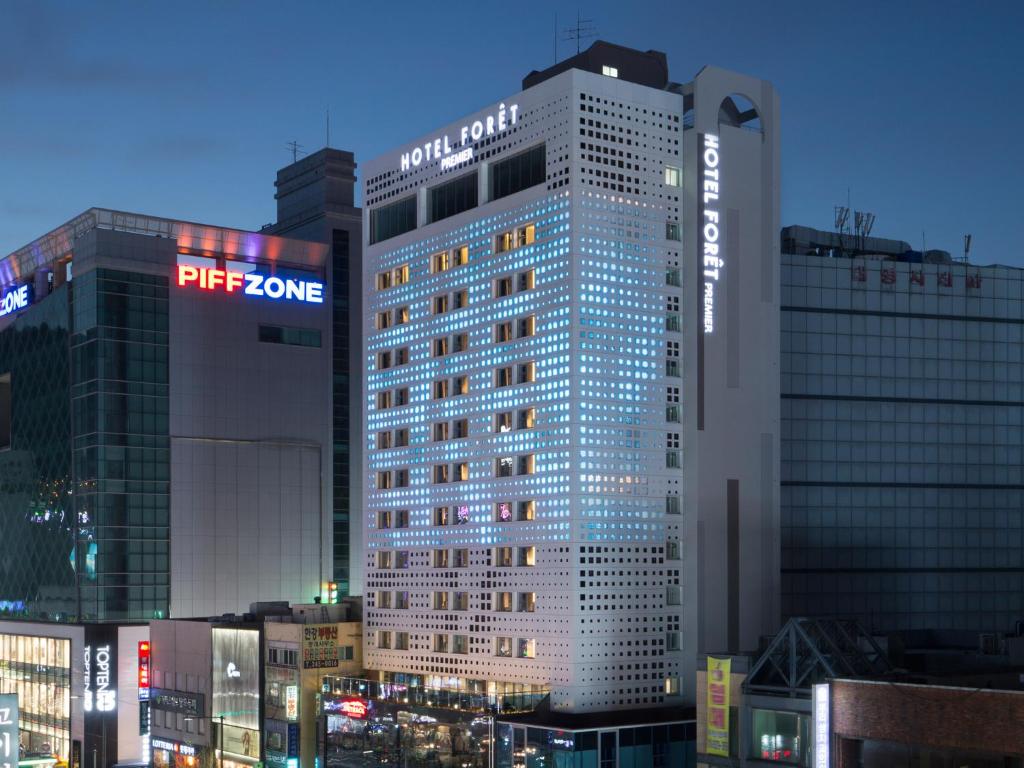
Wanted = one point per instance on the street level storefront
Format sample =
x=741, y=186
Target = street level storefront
x=403, y=733
x=638, y=738
x=78, y=692
x=774, y=708
x=241, y=691
x=301, y=645
x=205, y=702
x=409, y=723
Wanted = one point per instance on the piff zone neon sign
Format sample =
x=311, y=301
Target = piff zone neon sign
x=251, y=283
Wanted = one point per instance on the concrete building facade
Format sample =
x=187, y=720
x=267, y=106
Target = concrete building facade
x=571, y=323
x=164, y=381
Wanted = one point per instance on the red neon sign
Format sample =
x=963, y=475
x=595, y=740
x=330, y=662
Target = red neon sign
x=143, y=669
x=354, y=708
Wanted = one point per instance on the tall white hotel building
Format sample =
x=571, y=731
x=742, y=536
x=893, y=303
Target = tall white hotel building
x=571, y=405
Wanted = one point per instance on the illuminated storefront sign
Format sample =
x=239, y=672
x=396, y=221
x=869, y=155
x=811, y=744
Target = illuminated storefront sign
x=173, y=746
x=251, y=283
x=143, y=670
x=100, y=691
x=561, y=739
x=452, y=155
x=16, y=299
x=291, y=702
x=821, y=714
x=711, y=226
x=350, y=706
x=718, y=682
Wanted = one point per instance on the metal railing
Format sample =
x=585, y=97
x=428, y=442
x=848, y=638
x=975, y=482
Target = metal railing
x=441, y=698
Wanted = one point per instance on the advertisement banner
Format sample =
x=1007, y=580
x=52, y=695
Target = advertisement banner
x=319, y=646
x=718, y=706
x=236, y=677
x=241, y=741
x=821, y=705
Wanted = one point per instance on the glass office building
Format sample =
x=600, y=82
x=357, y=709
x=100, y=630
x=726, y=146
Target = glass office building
x=140, y=403
x=903, y=423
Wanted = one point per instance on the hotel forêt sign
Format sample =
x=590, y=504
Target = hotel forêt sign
x=711, y=226
x=453, y=151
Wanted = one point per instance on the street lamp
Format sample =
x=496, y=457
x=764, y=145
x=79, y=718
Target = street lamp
x=220, y=732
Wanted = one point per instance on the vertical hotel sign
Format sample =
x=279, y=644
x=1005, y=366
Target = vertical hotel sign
x=710, y=229
x=719, y=671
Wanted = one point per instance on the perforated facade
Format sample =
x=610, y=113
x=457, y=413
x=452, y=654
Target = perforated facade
x=527, y=353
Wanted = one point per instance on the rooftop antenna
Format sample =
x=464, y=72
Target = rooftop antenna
x=556, y=37
x=584, y=30
x=862, y=224
x=967, y=246
x=328, y=127
x=296, y=149
x=842, y=218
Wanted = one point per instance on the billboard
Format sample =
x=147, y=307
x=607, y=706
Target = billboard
x=319, y=646
x=718, y=706
x=236, y=677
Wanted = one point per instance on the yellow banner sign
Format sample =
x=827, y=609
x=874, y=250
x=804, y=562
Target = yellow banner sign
x=718, y=706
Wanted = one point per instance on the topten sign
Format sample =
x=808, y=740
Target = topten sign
x=99, y=690
x=251, y=284
x=452, y=155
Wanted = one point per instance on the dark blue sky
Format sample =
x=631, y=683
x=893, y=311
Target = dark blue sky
x=184, y=109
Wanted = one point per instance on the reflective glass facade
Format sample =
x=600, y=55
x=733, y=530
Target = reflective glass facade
x=121, y=446
x=38, y=669
x=36, y=508
x=903, y=425
x=645, y=746
x=341, y=352
x=84, y=483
